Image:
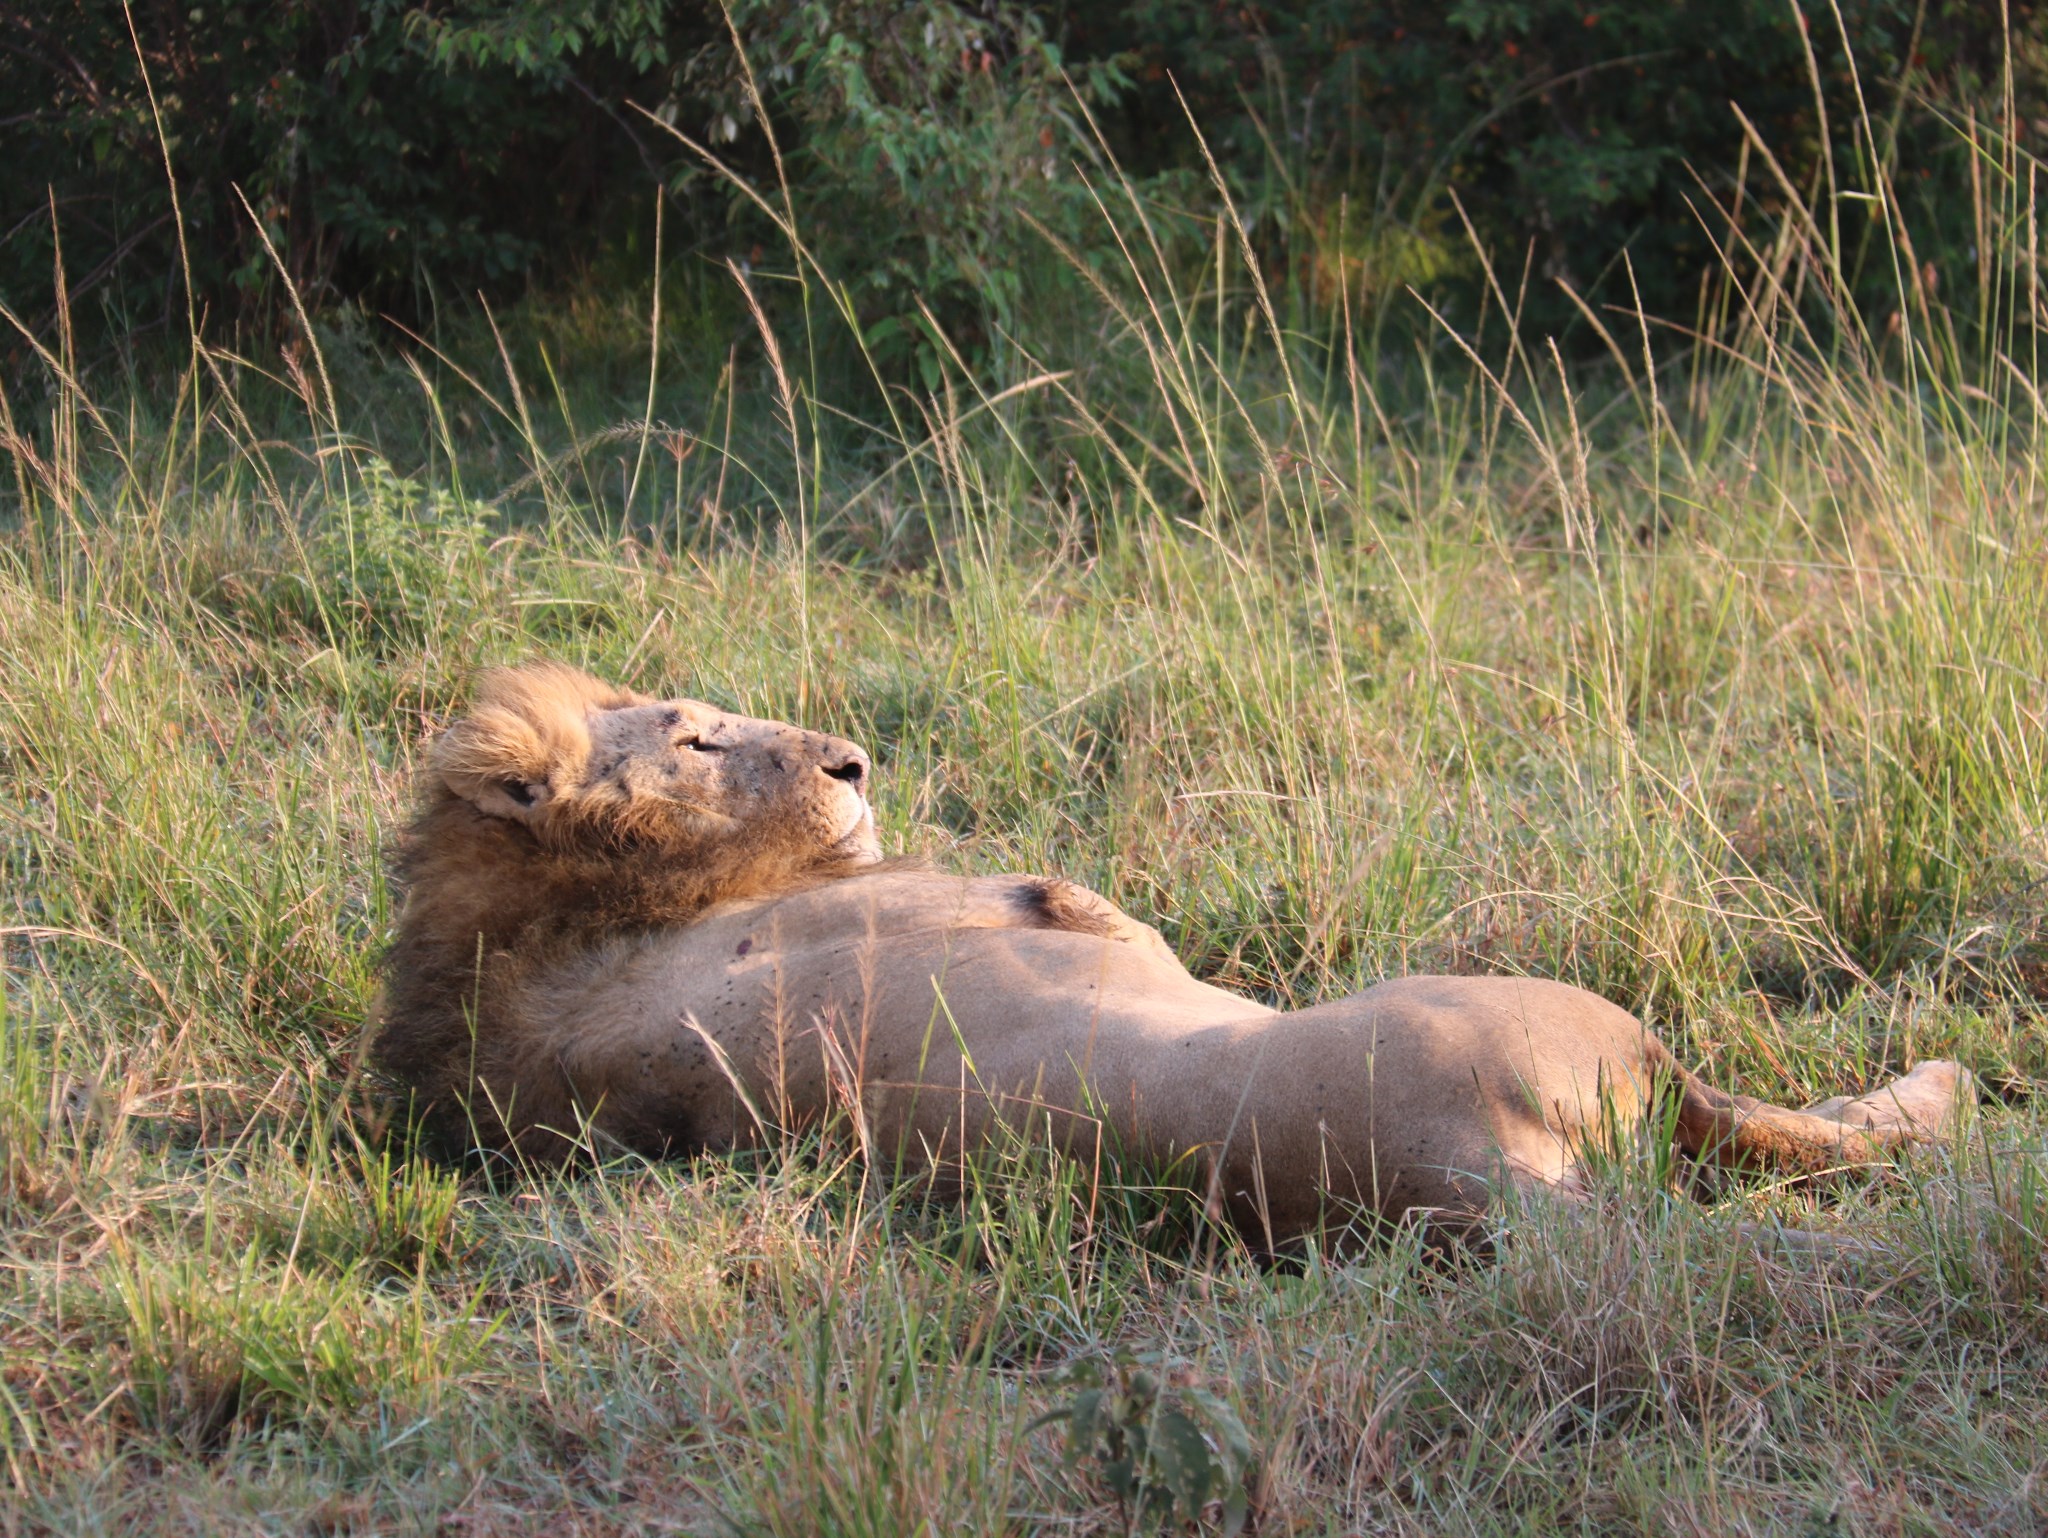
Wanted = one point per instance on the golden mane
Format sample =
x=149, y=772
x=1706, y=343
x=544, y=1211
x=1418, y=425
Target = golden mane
x=489, y=903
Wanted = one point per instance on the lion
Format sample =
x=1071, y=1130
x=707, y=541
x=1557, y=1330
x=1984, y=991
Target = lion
x=655, y=925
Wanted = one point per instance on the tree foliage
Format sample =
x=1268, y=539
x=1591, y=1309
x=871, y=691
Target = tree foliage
x=371, y=149
x=387, y=150
x=1568, y=131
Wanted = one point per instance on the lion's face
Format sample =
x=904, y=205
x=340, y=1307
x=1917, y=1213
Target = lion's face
x=578, y=762
x=684, y=762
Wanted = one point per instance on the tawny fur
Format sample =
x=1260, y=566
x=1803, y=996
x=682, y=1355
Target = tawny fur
x=656, y=924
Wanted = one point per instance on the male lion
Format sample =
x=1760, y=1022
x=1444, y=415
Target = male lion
x=666, y=927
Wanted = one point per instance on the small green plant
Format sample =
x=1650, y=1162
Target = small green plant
x=384, y=558
x=401, y=553
x=1167, y=1450
x=215, y=1346
x=369, y=1210
x=411, y=1207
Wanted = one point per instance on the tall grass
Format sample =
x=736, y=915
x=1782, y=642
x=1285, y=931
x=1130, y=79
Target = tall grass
x=1709, y=676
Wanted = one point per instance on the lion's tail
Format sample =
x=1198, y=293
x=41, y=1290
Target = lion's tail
x=1735, y=1130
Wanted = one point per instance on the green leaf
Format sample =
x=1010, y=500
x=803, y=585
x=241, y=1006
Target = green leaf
x=1181, y=1456
x=1083, y=1422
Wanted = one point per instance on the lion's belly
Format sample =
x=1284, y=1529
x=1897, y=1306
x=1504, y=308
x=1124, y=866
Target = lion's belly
x=919, y=993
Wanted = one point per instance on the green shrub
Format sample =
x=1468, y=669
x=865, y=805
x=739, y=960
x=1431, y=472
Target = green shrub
x=1569, y=130
x=393, y=152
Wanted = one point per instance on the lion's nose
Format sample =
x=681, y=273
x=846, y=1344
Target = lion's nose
x=848, y=764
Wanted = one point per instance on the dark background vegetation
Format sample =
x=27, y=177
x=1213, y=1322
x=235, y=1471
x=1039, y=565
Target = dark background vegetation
x=395, y=154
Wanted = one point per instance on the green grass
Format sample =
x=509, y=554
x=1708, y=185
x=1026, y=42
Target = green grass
x=1714, y=683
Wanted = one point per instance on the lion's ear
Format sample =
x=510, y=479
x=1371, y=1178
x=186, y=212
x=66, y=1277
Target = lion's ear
x=516, y=799
x=526, y=737
x=502, y=763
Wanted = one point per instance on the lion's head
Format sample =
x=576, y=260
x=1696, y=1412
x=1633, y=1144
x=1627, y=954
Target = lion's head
x=562, y=812
x=576, y=763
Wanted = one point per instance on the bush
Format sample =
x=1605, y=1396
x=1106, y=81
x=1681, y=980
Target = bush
x=390, y=151
x=378, y=157
x=1570, y=130
x=930, y=144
